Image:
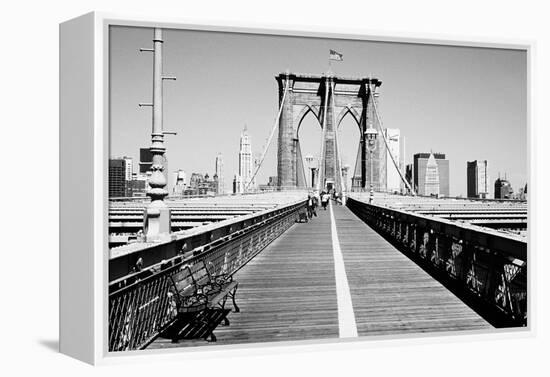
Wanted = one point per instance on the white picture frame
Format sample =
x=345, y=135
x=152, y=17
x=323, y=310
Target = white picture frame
x=84, y=143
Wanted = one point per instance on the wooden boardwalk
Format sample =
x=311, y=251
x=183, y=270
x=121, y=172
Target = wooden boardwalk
x=288, y=292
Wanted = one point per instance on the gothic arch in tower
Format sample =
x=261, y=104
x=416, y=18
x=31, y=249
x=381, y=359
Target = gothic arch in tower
x=330, y=99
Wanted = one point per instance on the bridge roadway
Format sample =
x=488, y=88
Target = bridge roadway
x=311, y=283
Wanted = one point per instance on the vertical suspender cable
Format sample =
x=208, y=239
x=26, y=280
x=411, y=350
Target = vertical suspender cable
x=387, y=147
x=270, y=135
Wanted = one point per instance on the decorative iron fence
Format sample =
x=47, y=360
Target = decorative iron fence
x=141, y=304
x=489, y=268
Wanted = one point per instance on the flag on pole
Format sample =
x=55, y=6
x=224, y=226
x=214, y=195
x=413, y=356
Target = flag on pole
x=336, y=56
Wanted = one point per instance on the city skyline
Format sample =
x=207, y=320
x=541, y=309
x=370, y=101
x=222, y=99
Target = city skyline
x=489, y=108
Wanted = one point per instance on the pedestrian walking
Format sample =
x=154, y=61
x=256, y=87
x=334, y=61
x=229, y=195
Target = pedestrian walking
x=325, y=197
x=309, y=206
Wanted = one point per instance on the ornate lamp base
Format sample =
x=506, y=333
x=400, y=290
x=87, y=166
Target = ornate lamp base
x=157, y=222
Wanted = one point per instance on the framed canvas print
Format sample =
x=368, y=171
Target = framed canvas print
x=278, y=187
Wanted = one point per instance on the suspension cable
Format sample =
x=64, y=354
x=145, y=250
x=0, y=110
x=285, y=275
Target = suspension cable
x=275, y=124
x=387, y=147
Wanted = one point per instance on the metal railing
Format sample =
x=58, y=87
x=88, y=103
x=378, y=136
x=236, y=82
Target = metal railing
x=142, y=305
x=486, y=268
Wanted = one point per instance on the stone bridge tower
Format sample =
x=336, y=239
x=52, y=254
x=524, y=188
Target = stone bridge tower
x=330, y=99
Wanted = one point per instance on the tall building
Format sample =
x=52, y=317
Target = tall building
x=503, y=189
x=243, y=180
x=118, y=185
x=431, y=183
x=180, y=178
x=477, y=179
x=236, y=184
x=139, y=186
x=219, y=174
x=424, y=176
x=311, y=167
x=393, y=179
x=129, y=168
x=145, y=160
x=180, y=182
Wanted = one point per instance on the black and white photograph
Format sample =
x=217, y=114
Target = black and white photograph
x=275, y=188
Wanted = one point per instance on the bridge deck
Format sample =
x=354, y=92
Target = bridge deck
x=289, y=291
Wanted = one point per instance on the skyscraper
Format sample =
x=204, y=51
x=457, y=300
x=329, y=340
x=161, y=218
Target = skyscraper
x=117, y=178
x=477, y=179
x=139, y=185
x=145, y=160
x=393, y=179
x=180, y=182
x=129, y=168
x=422, y=172
x=219, y=174
x=245, y=163
x=503, y=189
x=431, y=183
x=311, y=166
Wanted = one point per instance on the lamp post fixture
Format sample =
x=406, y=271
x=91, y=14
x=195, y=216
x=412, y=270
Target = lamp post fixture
x=157, y=224
x=370, y=135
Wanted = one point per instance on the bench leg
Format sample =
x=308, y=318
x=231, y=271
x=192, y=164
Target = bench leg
x=233, y=299
x=211, y=336
x=221, y=305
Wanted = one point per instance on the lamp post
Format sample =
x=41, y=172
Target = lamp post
x=157, y=224
x=370, y=135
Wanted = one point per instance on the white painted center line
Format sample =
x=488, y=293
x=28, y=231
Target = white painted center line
x=346, y=316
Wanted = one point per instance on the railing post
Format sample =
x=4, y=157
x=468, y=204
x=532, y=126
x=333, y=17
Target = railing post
x=466, y=259
x=419, y=239
x=431, y=246
x=443, y=252
x=493, y=276
x=398, y=234
x=411, y=234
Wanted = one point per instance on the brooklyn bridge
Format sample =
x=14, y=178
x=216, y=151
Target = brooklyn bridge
x=261, y=267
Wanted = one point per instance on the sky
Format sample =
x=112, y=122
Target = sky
x=469, y=103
